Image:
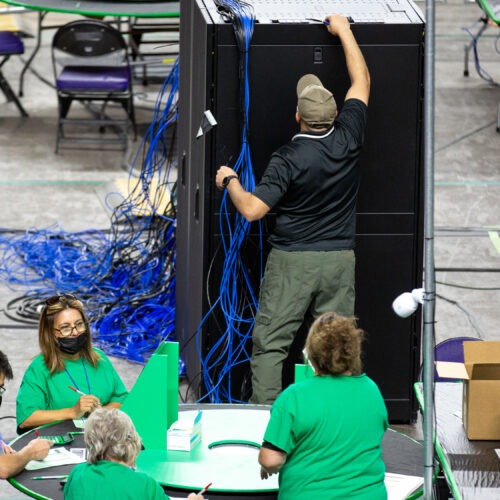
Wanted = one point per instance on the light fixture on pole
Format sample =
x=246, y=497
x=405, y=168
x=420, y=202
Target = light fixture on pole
x=427, y=297
x=406, y=304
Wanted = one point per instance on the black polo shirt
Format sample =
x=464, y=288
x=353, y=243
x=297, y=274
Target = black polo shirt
x=312, y=184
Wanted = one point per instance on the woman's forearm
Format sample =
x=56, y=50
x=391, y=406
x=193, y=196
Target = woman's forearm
x=113, y=404
x=41, y=417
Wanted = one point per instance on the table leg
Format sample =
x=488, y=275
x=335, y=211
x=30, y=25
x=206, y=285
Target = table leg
x=41, y=16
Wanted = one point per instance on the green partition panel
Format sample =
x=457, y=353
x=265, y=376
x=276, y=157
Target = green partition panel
x=171, y=350
x=153, y=403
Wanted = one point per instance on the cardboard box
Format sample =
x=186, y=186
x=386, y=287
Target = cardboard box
x=480, y=373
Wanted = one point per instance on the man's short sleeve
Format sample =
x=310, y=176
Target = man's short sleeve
x=353, y=118
x=274, y=182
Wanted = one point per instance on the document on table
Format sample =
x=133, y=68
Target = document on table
x=56, y=456
x=400, y=486
x=79, y=422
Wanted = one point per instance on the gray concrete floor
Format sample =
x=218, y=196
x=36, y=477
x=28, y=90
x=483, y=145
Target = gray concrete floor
x=40, y=189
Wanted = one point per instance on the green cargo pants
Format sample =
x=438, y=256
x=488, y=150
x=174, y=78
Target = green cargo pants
x=293, y=283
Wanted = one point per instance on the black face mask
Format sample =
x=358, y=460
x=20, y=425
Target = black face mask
x=72, y=345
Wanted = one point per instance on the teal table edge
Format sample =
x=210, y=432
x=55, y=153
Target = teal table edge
x=445, y=464
x=18, y=485
x=25, y=490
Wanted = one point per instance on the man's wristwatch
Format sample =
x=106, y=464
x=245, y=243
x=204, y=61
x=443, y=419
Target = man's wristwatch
x=227, y=180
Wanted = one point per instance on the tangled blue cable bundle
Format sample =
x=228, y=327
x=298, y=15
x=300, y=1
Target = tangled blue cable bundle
x=126, y=275
x=237, y=300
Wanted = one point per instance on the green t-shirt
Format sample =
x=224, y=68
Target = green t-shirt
x=331, y=428
x=41, y=391
x=111, y=481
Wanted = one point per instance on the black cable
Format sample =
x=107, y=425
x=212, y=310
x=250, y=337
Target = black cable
x=455, y=285
x=468, y=315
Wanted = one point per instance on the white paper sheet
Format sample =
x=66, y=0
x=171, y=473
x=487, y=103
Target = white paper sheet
x=56, y=456
x=400, y=486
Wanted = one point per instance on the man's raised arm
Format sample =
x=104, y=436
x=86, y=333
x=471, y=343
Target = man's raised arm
x=356, y=66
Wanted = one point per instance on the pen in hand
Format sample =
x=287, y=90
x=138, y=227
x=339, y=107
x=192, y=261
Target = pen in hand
x=64, y=476
x=324, y=21
x=204, y=490
x=80, y=392
x=76, y=390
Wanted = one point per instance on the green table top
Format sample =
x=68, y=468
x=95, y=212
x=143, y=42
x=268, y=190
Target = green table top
x=231, y=467
x=233, y=470
x=102, y=8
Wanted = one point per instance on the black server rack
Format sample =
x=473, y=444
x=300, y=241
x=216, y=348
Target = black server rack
x=389, y=237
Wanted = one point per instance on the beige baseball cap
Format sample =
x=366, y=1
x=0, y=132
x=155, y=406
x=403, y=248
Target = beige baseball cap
x=316, y=105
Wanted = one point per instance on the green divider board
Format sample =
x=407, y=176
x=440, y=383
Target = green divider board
x=171, y=350
x=152, y=403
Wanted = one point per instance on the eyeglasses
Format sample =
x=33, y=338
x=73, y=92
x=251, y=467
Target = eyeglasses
x=2, y=389
x=67, y=330
x=52, y=301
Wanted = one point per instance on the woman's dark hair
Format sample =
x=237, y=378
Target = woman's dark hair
x=333, y=345
x=46, y=336
x=5, y=367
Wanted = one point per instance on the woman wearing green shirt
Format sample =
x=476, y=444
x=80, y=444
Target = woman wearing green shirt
x=109, y=473
x=67, y=359
x=325, y=434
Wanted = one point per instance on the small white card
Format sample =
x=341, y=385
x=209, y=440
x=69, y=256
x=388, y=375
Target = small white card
x=79, y=452
x=79, y=423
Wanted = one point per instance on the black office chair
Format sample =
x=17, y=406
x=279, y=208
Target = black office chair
x=10, y=44
x=91, y=65
x=151, y=39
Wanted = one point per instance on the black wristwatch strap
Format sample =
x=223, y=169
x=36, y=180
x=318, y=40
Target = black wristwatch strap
x=227, y=180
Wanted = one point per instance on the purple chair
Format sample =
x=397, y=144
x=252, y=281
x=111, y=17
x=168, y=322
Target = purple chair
x=91, y=66
x=10, y=44
x=450, y=350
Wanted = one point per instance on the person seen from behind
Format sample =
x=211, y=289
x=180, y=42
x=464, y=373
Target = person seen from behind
x=324, y=437
x=109, y=473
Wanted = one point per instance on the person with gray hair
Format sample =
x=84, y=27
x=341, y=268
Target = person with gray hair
x=325, y=433
x=109, y=473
